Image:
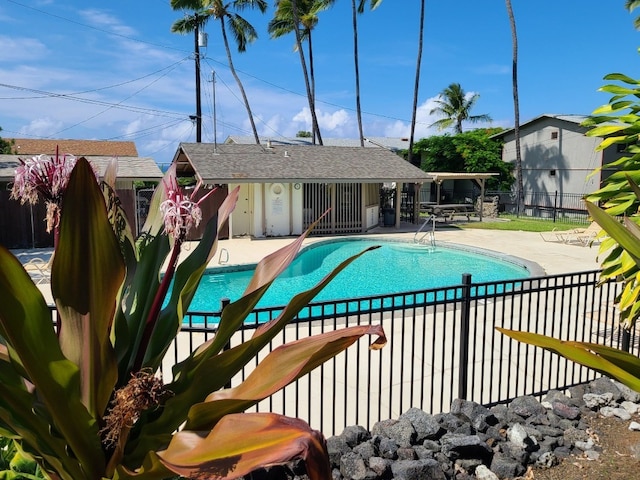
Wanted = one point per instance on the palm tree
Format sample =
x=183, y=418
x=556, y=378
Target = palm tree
x=301, y=17
x=516, y=109
x=373, y=4
x=414, y=110
x=631, y=5
x=242, y=31
x=455, y=106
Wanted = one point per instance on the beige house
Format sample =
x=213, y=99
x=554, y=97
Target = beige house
x=285, y=188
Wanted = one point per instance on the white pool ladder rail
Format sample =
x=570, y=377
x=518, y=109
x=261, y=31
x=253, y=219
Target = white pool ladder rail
x=428, y=236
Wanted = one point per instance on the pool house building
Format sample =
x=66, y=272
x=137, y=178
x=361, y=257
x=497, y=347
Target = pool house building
x=285, y=188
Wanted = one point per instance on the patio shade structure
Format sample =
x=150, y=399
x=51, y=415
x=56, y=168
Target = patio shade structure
x=439, y=177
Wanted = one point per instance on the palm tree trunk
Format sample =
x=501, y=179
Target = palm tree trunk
x=415, y=88
x=314, y=127
x=310, y=95
x=355, y=59
x=235, y=75
x=516, y=110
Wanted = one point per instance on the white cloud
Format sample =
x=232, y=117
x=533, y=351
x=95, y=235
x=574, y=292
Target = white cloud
x=106, y=21
x=20, y=48
x=41, y=127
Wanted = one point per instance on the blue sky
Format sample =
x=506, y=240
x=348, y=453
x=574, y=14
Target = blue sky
x=114, y=71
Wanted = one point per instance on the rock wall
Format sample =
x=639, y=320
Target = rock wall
x=475, y=442
x=490, y=207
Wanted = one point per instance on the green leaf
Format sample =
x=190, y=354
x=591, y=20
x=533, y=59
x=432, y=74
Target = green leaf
x=620, y=365
x=278, y=369
x=86, y=276
x=622, y=78
x=606, y=130
x=27, y=327
x=622, y=235
x=617, y=90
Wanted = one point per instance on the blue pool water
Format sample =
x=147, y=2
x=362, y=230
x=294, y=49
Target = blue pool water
x=395, y=267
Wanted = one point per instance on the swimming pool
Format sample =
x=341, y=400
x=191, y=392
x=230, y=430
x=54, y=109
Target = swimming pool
x=395, y=267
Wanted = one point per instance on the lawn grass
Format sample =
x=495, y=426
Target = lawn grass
x=526, y=224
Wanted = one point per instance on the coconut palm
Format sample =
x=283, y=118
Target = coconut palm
x=373, y=4
x=301, y=17
x=455, y=106
x=516, y=108
x=242, y=31
x=414, y=110
x=631, y=5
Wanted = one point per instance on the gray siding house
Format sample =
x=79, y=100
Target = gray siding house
x=557, y=156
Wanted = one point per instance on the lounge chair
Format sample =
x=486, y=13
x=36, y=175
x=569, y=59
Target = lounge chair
x=555, y=235
x=584, y=236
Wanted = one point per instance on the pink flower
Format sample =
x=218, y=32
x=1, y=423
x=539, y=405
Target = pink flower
x=180, y=213
x=47, y=177
x=42, y=175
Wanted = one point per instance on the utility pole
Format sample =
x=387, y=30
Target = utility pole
x=215, y=131
x=196, y=30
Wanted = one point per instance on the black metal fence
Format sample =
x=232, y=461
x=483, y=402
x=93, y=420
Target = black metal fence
x=553, y=206
x=442, y=345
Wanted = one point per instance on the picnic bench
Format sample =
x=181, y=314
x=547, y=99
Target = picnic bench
x=448, y=211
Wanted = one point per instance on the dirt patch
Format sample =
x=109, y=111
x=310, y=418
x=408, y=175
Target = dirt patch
x=619, y=459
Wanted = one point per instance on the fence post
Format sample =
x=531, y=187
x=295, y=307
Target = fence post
x=223, y=303
x=626, y=340
x=465, y=312
x=555, y=206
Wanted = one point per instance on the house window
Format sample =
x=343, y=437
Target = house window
x=552, y=173
x=620, y=147
x=554, y=135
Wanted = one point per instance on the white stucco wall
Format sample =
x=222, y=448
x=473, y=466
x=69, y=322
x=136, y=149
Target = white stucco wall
x=261, y=211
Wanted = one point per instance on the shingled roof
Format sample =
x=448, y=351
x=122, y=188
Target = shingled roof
x=129, y=168
x=237, y=163
x=29, y=146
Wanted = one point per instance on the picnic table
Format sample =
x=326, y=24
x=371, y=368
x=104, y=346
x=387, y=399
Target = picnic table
x=448, y=210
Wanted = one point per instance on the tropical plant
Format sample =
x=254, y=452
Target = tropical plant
x=473, y=152
x=414, y=109
x=6, y=146
x=618, y=122
x=15, y=464
x=516, y=107
x=301, y=17
x=631, y=5
x=455, y=106
x=84, y=399
x=243, y=32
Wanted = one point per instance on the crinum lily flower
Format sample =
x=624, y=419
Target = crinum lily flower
x=179, y=211
x=46, y=177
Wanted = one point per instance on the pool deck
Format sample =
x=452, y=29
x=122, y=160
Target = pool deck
x=552, y=257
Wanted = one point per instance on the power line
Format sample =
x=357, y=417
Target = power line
x=91, y=27
x=151, y=111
